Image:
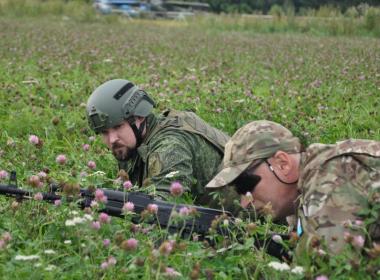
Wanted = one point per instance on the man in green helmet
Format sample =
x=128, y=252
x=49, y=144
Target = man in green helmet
x=334, y=190
x=155, y=150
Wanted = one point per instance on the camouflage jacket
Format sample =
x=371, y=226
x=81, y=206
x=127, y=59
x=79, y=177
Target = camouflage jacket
x=337, y=182
x=171, y=154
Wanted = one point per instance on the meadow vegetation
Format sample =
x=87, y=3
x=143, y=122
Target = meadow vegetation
x=228, y=69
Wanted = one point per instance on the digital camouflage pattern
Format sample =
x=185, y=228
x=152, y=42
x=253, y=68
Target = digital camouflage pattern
x=172, y=154
x=251, y=143
x=337, y=182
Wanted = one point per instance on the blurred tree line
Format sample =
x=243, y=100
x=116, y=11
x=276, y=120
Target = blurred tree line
x=264, y=6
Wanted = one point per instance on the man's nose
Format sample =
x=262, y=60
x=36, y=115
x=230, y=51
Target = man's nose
x=112, y=136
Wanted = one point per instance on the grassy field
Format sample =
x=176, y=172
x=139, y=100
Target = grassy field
x=323, y=88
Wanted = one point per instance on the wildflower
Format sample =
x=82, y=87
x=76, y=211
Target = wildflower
x=171, y=273
x=358, y=222
x=11, y=142
x=88, y=217
x=152, y=208
x=86, y=147
x=166, y=248
x=358, y=241
x=38, y=196
x=34, y=181
x=57, y=202
x=104, y=265
x=50, y=267
x=3, y=174
x=83, y=174
x=95, y=225
x=111, y=260
x=100, y=197
x=248, y=197
x=94, y=204
x=15, y=205
x=69, y=223
x=42, y=175
x=49, y=252
x=127, y=185
x=26, y=258
x=78, y=220
x=298, y=270
x=106, y=242
x=277, y=238
x=91, y=164
x=130, y=244
x=176, y=189
x=225, y=222
x=104, y=218
x=279, y=266
x=184, y=211
x=347, y=237
x=321, y=252
x=6, y=236
x=91, y=138
x=33, y=139
x=67, y=242
x=61, y=159
x=128, y=207
x=321, y=277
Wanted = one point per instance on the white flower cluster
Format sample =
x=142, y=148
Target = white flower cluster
x=78, y=220
x=279, y=266
x=26, y=258
x=285, y=267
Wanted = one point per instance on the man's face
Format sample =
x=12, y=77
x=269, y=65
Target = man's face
x=270, y=190
x=120, y=140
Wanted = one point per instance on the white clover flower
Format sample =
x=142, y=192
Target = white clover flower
x=88, y=217
x=49, y=252
x=50, y=267
x=74, y=213
x=67, y=241
x=279, y=266
x=78, y=220
x=26, y=258
x=298, y=270
x=226, y=223
x=100, y=173
x=171, y=174
x=69, y=223
x=238, y=221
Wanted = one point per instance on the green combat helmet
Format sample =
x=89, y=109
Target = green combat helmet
x=117, y=101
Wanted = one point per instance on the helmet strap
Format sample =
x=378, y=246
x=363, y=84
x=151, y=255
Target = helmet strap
x=137, y=131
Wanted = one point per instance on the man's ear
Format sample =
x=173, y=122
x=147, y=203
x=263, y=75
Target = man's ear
x=282, y=161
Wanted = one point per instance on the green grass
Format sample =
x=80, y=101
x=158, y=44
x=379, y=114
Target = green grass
x=322, y=88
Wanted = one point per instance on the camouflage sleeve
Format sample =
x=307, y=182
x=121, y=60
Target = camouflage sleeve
x=169, y=160
x=332, y=197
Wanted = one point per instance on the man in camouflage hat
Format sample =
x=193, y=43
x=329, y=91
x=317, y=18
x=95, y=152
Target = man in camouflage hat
x=326, y=186
x=155, y=150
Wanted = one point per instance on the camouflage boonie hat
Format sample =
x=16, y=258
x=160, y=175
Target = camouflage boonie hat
x=251, y=144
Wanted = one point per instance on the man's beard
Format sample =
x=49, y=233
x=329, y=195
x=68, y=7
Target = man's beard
x=122, y=152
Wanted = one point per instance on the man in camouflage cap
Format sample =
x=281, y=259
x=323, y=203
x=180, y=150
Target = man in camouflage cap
x=325, y=186
x=155, y=150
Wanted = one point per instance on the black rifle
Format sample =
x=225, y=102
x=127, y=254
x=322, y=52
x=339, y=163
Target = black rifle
x=199, y=224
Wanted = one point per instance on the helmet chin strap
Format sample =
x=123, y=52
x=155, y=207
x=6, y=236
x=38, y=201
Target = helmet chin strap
x=137, y=131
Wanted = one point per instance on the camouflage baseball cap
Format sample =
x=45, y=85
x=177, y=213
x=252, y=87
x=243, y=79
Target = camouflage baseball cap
x=251, y=144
